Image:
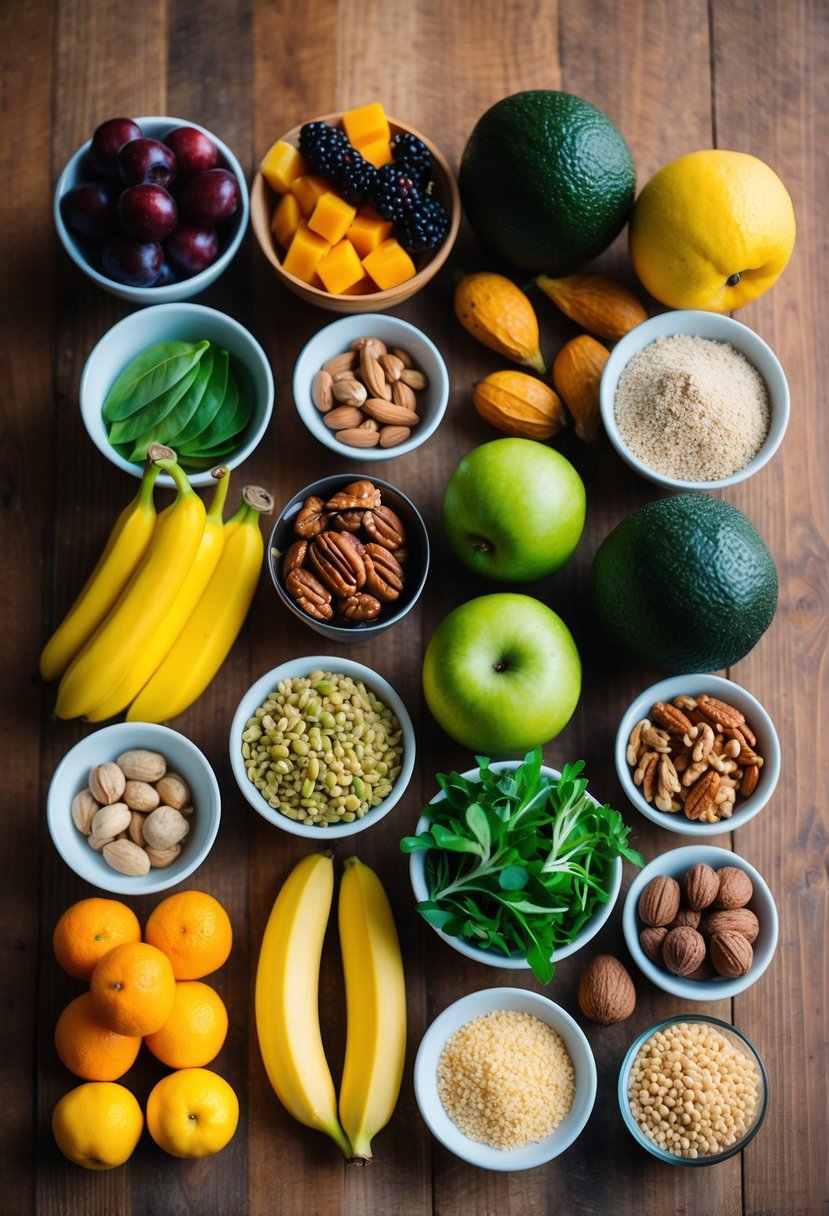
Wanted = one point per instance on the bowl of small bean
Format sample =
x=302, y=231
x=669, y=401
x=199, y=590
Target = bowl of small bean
x=693, y=1090
x=322, y=747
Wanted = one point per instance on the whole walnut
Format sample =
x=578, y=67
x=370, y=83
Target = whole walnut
x=701, y=885
x=731, y=954
x=659, y=902
x=735, y=888
x=683, y=950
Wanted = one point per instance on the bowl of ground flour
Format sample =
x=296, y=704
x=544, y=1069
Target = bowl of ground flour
x=694, y=400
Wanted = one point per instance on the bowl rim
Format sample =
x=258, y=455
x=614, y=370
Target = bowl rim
x=336, y=632
x=718, y=987
x=159, y=312
x=512, y=962
x=672, y=686
x=476, y=1004
x=102, y=875
x=259, y=187
x=169, y=292
x=304, y=665
x=693, y=322
x=310, y=415
x=624, y=1105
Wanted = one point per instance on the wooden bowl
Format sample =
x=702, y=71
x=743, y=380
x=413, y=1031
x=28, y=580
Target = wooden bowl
x=263, y=198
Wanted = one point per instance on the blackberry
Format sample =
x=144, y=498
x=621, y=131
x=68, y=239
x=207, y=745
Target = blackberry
x=357, y=178
x=395, y=194
x=425, y=228
x=411, y=154
x=324, y=148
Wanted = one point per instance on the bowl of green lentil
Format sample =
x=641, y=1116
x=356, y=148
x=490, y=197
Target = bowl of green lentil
x=322, y=747
x=693, y=1090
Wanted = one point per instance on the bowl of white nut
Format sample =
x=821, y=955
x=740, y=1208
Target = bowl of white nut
x=134, y=808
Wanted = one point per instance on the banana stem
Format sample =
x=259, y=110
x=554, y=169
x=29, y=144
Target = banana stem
x=217, y=506
x=178, y=475
x=144, y=497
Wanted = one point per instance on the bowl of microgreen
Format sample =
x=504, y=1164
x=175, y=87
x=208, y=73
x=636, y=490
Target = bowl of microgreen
x=515, y=865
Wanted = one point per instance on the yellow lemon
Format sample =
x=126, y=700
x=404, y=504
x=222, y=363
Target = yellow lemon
x=97, y=1125
x=712, y=230
x=192, y=1113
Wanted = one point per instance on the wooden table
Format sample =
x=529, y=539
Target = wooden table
x=675, y=77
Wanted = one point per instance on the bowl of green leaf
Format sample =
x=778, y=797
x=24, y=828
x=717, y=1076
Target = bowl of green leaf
x=179, y=374
x=515, y=865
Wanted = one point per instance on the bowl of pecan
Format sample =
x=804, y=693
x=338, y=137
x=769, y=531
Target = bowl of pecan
x=371, y=387
x=700, y=923
x=349, y=558
x=697, y=754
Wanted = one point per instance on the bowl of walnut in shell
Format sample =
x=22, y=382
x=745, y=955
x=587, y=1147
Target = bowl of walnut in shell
x=697, y=754
x=700, y=923
x=349, y=556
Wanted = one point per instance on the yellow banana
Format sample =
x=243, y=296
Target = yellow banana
x=203, y=644
x=128, y=542
x=143, y=604
x=287, y=997
x=190, y=592
x=375, y=992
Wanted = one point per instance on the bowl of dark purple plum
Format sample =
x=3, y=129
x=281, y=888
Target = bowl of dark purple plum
x=152, y=209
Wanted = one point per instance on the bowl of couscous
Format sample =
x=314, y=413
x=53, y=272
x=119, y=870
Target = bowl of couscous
x=693, y=1090
x=505, y=1079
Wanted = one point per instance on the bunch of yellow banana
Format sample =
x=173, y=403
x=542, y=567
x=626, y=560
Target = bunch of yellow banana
x=287, y=1003
x=163, y=606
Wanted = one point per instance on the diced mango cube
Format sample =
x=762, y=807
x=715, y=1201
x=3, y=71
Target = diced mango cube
x=307, y=189
x=389, y=264
x=331, y=217
x=367, y=231
x=281, y=165
x=306, y=251
x=340, y=268
x=285, y=219
x=377, y=153
x=365, y=124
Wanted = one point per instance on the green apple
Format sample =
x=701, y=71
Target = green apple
x=514, y=510
x=501, y=674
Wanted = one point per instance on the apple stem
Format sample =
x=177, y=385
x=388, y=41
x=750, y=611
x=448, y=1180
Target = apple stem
x=480, y=544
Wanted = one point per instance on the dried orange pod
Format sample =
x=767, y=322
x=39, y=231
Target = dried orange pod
x=519, y=405
x=500, y=315
x=577, y=372
x=598, y=303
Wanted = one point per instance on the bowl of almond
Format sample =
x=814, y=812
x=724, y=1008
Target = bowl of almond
x=371, y=387
x=697, y=754
x=134, y=808
x=355, y=211
x=700, y=923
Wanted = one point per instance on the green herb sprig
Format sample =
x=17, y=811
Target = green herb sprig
x=518, y=862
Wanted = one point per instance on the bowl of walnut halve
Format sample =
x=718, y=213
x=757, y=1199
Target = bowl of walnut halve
x=349, y=556
x=697, y=754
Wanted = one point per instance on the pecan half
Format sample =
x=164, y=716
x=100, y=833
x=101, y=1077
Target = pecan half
x=748, y=784
x=347, y=521
x=384, y=575
x=701, y=795
x=356, y=495
x=359, y=607
x=720, y=712
x=385, y=527
x=671, y=718
x=294, y=556
x=312, y=517
x=337, y=562
x=309, y=595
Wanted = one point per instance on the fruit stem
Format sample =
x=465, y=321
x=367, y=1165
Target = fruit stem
x=217, y=506
x=479, y=544
x=178, y=475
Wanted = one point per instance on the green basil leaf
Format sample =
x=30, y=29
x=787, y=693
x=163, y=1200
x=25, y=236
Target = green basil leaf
x=157, y=432
x=216, y=430
x=185, y=408
x=149, y=375
x=155, y=413
x=211, y=401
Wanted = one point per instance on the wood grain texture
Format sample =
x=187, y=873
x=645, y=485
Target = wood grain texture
x=728, y=73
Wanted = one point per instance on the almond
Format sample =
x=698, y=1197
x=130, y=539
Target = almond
x=356, y=437
x=345, y=362
x=349, y=392
x=372, y=373
x=390, y=436
x=343, y=417
x=321, y=390
x=388, y=412
x=415, y=378
x=107, y=782
x=84, y=809
x=126, y=858
x=606, y=991
x=401, y=394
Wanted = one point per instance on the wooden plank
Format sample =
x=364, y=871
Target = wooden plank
x=789, y=503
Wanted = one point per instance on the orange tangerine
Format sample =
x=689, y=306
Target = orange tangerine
x=134, y=988
x=87, y=930
x=196, y=1029
x=87, y=1046
x=193, y=930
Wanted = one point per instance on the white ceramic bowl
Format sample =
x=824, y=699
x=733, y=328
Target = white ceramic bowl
x=768, y=746
x=675, y=863
x=738, y=1040
x=475, y=1005
x=189, y=323
x=257, y=694
x=416, y=568
x=702, y=325
x=336, y=338
x=494, y=958
x=71, y=775
x=74, y=174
